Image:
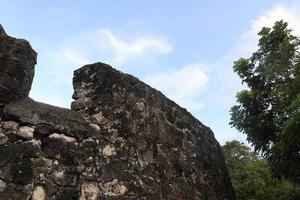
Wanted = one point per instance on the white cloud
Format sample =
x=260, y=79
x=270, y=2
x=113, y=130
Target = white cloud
x=102, y=44
x=123, y=49
x=72, y=56
x=275, y=14
x=249, y=40
x=183, y=85
x=227, y=82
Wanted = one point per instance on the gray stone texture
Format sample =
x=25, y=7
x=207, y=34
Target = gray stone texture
x=17, y=61
x=166, y=153
x=121, y=140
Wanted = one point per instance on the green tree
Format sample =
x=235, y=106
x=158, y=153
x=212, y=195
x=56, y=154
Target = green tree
x=252, y=179
x=268, y=112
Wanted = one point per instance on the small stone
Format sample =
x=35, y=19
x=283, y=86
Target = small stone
x=27, y=189
x=25, y=132
x=2, y=185
x=148, y=156
x=42, y=177
x=119, y=189
x=47, y=162
x=59, y=177
x=39, y=193
x=109, y=150
x=95, y=127
x=90, y=158
x=34, y=143
x=3, y=138
x=95, y=130
x=140, y=106
x=98, y=117
x=89, y=191
x=10, y=125
x=62, y=137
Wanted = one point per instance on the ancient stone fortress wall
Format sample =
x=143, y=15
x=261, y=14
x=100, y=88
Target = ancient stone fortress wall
x=121, y=140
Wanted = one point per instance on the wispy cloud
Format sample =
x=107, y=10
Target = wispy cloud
x=124, y=50
x=91, y=46
x=71, y=55
x=183, y=85
x=248, y=41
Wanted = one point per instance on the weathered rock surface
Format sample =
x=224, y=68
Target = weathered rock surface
x=121, y=140
x=48, y=118
x=17, y=60
x=166, y=153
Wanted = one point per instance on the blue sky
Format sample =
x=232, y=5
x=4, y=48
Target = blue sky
x=183, y=48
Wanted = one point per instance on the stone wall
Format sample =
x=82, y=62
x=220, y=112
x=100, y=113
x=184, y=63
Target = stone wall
x=121, y=140
x=165, y=151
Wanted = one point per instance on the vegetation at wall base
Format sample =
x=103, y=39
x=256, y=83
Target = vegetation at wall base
x=252, y=178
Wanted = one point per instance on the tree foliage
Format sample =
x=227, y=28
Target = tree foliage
x=252, y=179
x=269, y=110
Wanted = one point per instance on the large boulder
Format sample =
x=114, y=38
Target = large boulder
x=17, y=61
x=165, y=152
